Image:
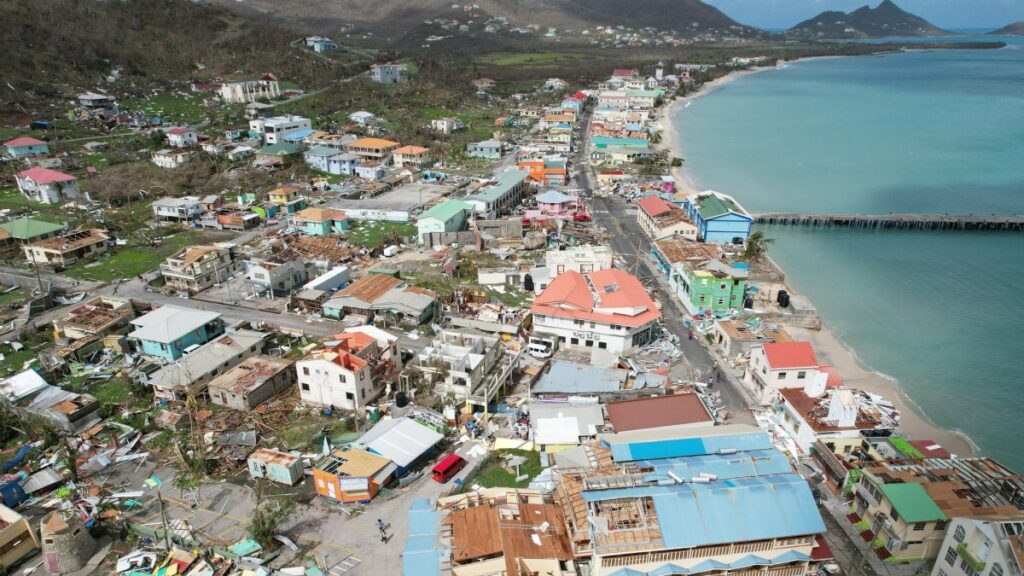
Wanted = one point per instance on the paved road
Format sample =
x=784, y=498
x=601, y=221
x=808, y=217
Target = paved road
x=633, y=247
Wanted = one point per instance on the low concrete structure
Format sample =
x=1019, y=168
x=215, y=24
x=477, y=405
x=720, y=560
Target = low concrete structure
x=67, y=249
x=277, y=466
x=252, y=382
x=67, y=545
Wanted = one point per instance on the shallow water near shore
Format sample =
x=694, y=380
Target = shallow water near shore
x=918, y=132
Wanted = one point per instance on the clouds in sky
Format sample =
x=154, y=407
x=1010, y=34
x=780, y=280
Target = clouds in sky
x=949, y=14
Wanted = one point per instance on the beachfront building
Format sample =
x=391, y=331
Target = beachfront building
x=777, y=365
x=840, y=459
x=659, y=218
x=982, y=547
x=448, y=216
x=632, y=511
x=719, y=218
x=708, y=285
x=499, y=195
x=47, y=186
x=830, y=414
x=607, y=309
x=903, y=508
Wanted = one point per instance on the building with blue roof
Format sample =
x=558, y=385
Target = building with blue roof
x=683, y=500
x=422, y=554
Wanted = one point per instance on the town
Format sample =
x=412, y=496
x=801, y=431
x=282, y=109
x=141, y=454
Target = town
x=497, y=339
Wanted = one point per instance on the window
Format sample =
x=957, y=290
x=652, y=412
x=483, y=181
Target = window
x=894, y=514
x=801, y=375
x=951, y=556
x=305, y=370
x=721, y=301
x=590, y=343
x=602, y=345
x=997, y=569
x=341, y=378
x=959, y=534
x=941, y=524
x=305, y=387
x=350, y=396
x=574, y=341
x=919, y=526
x=781, y=376
x=967, y=568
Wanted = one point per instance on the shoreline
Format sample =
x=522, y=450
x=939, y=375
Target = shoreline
x=914, y=422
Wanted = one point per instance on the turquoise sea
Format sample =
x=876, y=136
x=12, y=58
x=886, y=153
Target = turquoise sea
x=930, y=131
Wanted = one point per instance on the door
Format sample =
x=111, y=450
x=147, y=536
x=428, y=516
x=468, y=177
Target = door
x=331, y=491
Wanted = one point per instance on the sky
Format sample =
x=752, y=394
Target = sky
x=948, y=14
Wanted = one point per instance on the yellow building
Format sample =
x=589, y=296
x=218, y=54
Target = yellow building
x=17, y=539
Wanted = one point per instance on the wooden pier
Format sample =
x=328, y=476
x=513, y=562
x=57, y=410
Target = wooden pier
x=964, y=222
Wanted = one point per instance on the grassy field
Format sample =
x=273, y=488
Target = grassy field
x=11, y=296
x=129, y=262
x=370, y=234
x=172, y=108
x=11, y=199
x=533, y=58
x=492, y=473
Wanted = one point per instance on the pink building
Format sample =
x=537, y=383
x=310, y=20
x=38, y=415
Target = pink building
x=554, y=205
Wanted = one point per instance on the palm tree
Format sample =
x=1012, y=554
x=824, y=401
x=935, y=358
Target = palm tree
x=757, y=245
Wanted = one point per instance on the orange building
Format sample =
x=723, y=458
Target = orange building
x=351, y=475
x=546, y=171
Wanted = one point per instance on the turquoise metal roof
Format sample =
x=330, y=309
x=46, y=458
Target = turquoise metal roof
x=504, y=181
x=722, y=466
x=421, y=556
x=640, y=449
x=719, y=512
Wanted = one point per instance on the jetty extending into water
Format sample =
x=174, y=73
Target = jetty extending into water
x=964, y=222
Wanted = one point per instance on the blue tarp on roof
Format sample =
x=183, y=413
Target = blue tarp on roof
x=634, y=447
x=297, y=136
x=722, y=466
x=737, y=510
x=421, y=556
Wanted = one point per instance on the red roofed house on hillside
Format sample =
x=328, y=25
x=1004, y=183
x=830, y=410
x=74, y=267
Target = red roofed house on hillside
x=182, y=137
x=47, y=186
x=777, y=365
x=608, y=309
x=25, y=147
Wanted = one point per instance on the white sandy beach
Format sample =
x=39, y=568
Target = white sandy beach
x=829, y=348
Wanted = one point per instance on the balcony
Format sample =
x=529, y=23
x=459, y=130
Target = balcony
x=975, y=563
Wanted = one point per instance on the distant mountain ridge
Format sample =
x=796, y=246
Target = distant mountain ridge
x=1013, y=29
x=394, y=17
x=883, y=21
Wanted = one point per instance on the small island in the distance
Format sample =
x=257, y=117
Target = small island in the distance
x=1013, y=29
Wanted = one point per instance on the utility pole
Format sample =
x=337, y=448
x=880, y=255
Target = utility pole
x=163, y=520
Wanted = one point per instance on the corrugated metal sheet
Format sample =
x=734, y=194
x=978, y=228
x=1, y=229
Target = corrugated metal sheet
x=422, y=556
x=723, y=467
x=738, y=564
x=673, y=442
x=401, y=440
x=572, y=378
x=739, y=510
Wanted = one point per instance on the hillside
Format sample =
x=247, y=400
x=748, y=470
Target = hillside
x=1015, y=29
x=57, y=47
x=395, y=17
x=884, y=21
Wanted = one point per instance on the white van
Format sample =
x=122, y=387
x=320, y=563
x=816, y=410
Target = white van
x=542, y=345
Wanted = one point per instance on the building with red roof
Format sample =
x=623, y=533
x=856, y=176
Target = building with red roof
x=660, y=219
x=182, y=137
x=26, y=147
x=350, y=370
x=47, y=186
x=607, y=309
x=777, y=365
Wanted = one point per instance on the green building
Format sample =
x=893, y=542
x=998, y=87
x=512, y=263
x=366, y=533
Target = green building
x=711, y=285
x=448, y=216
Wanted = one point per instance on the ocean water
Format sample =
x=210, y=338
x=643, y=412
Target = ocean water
x=935, y=131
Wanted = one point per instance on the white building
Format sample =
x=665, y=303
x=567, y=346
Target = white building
x=265, y=88
x=446, y=125
x=778, y=365
x=320, y=44
x=582, y=259
x=169, y=158
x=982, y=547
x=273, y=130
x=607, y=309
x=350, y=371
x=178, y=209
x=362, y=117
x=182, y=137
x=389, y=73
x=47, y=186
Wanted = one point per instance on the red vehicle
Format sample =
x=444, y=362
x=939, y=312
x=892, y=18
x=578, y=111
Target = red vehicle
x=448, y=467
